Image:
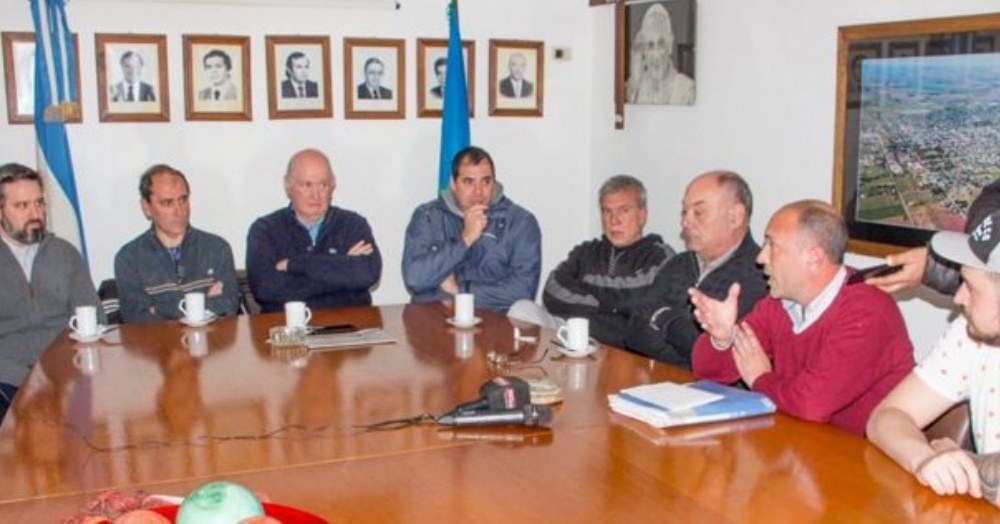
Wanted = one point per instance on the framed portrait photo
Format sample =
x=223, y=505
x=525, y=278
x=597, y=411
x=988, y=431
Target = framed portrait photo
x=659, y=53
x=217, y=77
x=432, y=65
x=915, y=133
x=19, y=72
x=132, y=81
x=517, y=77
x=298, y=77
x=374, y=82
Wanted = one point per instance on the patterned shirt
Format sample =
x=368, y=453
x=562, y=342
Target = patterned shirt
x=959, y=368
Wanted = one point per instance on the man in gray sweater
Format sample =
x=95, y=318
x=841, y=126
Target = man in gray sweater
x=43, y=279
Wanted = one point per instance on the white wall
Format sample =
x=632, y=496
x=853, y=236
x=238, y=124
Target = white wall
x=766, y=79
x=384, y=168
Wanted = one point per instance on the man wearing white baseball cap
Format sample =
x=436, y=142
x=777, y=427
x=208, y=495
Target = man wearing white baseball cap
x=964, y=365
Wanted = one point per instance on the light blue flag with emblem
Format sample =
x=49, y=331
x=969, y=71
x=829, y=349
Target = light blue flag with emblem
x=455, y=116
x=56, y=101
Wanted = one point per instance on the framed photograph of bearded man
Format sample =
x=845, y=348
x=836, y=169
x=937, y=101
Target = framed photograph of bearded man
x=659, y=52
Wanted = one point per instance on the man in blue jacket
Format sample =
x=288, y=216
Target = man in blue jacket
x=311, y=251
x=472, y=239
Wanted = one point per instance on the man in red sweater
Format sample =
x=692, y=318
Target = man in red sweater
x=822, y=349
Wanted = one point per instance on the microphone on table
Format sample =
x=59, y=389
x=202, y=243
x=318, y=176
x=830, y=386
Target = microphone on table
x=527, y=415
x=501, y=393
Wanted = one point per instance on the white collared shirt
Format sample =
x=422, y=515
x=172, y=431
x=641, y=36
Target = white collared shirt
x=803, y=317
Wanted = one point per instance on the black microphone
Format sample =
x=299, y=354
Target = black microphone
x=529, y=415
x=499, y=394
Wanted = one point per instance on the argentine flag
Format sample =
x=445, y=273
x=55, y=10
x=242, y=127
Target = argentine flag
x=55, y=101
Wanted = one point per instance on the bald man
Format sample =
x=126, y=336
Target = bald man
x=311, y=251
x=715, y=227
x=821, y=348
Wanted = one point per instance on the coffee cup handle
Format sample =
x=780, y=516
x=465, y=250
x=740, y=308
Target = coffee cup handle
x=72, y=323
x=184, y=340
x=561, y=334
x=183, y=306
x=309, y=315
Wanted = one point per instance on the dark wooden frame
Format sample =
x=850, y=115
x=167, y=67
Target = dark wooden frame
x=354, y=108
x=879, y=236
x=232, y=45
x=275, y=75
x=117, y=112
x=424, y=45
x=14, y=116
x=502, y=107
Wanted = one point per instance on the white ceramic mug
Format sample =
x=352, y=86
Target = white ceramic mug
x=196, y=342
x=84, y=322
x=574, y=335
x=465, y=306
x=87, y=360
x=193, y=307
x=297, y=314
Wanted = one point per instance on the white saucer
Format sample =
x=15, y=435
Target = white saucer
x=591, y=349
x=475, y=322
x=209, y=318
x=101, y=330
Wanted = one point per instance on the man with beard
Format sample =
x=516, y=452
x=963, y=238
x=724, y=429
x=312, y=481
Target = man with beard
x=653, y=76
x=715, y=227
x=43, y=278
x=964, y=365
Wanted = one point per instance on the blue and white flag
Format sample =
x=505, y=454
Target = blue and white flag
x=455, y=115
x=55, y=101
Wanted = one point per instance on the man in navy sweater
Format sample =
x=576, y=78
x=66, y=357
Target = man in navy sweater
x=311, y=251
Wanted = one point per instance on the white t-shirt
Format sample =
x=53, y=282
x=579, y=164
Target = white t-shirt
x=960, y=368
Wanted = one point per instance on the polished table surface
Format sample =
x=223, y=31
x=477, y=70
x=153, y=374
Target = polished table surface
x=165, y=407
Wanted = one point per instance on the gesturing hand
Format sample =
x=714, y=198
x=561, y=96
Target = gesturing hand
x=748, y=354
x=717, y=318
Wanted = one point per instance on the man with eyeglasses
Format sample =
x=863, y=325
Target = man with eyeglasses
x=372, y=88
x=154, y=271
x=43, y=279
x=472, y=239
x=311, y=251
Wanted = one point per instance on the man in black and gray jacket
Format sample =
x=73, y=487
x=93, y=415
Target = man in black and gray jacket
x=715, y=227
x=604, y=278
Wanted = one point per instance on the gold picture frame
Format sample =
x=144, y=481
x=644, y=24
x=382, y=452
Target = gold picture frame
x=380, y=65
x=19, y=71
x=510, y=96
x=430, y=53
x=217, y=77
x=298, y=77
x=126, y=92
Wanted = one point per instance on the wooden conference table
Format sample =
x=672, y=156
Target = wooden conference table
x=165, y=408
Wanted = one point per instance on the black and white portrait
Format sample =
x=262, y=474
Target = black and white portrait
x=660, y=52
x=375, y=86
x=132, y=77
x=298, y=76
